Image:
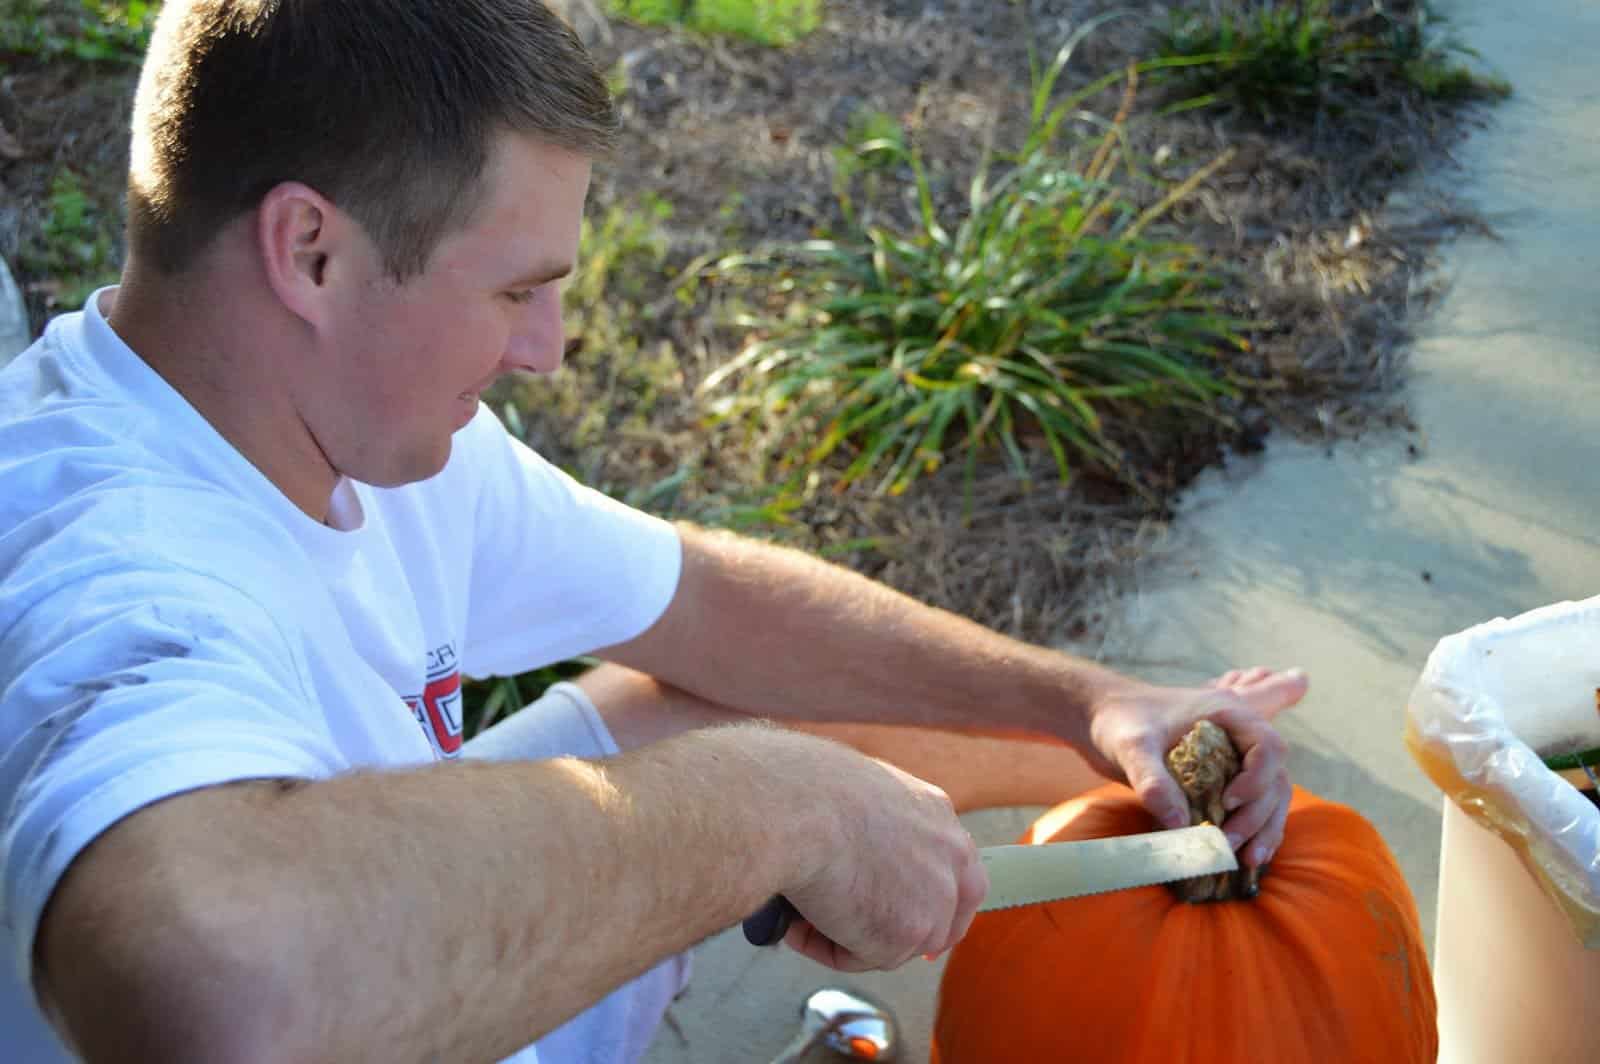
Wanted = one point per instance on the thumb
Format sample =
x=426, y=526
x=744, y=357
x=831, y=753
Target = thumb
x=1157, y=790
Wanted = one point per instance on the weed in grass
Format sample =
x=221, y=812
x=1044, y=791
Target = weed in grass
x=1051, y=306
x=871, y=154
x=615, y=255
x=771, y=22
x=96, y=31
x=867, y=126
x=651, y=12
x=860, y=155
x=1275, y=60
x=622, y=258
x=1450, y=82
x=617, y=81
x=1429, y=63
x=728, y=214
x=73, y=252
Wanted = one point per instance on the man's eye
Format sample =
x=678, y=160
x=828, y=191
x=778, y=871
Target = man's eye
x=523, y=296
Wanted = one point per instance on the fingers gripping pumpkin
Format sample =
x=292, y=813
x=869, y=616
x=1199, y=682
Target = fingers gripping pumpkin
x=1325, y=965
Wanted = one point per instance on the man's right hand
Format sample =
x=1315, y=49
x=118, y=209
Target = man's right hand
x=897, y=876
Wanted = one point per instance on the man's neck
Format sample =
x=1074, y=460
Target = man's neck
x=223, y=348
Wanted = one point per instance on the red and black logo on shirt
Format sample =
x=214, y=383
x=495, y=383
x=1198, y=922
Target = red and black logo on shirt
x=438, y=708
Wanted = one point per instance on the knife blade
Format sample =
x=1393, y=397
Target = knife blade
x=1053, y=871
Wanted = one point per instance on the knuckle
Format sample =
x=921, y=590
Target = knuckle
x=1145, y=785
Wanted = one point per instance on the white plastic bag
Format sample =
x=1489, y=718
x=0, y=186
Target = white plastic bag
x=1491, y=704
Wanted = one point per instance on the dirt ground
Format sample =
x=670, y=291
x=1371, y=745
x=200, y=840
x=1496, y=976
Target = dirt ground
x=739, y=139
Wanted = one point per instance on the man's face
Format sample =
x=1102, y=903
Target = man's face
x=407, y=362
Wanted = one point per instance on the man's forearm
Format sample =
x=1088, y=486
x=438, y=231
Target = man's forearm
x=452, y=913
x=781, y=634
x=977, y=772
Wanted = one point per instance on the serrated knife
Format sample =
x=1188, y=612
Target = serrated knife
x=1053, y=871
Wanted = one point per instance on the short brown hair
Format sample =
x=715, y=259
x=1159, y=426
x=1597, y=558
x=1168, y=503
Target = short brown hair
x=388, y=108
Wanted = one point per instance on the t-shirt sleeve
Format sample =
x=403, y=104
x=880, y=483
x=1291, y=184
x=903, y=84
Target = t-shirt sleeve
x=126, y=688
x=558, y=569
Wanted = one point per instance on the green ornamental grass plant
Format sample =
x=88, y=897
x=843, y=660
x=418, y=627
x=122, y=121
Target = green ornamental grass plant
x=93, y=31
x=74, y=250
x=1051, y=306
x=1275, y=59
x=771, y=22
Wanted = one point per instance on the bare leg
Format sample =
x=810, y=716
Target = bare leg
x=976, y=771
x=639, y=710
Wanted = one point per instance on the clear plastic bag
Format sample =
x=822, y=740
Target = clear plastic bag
x=1492, y=702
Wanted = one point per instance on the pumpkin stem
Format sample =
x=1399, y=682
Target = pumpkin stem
x=1203, y=763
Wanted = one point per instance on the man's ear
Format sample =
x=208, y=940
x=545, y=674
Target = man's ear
x=299, y=233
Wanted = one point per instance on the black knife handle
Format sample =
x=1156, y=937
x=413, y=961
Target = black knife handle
x=771, y=922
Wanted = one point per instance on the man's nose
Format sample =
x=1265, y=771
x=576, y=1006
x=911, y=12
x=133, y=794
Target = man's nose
x=540, y=342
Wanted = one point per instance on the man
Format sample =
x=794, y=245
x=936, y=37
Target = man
x=255, y=526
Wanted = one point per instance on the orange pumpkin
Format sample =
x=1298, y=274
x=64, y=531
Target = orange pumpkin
x=1325, y=966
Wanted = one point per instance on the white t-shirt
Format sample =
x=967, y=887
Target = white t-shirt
x=170, y=620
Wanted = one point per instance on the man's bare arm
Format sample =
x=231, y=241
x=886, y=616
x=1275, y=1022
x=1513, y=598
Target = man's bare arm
x=461, y=911
x=976, y=771
x=782, y=634
x=778, y=633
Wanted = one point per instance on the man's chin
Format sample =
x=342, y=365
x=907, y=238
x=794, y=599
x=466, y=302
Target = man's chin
x=416, y=468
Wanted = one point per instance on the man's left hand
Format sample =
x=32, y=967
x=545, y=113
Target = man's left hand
x=1133, y=726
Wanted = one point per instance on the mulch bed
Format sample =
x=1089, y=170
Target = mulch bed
x=739, y=140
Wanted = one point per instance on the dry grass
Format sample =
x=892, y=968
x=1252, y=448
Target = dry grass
x=739, y=140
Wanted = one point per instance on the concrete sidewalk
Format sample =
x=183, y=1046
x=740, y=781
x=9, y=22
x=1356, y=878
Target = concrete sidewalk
x=1353, y=564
